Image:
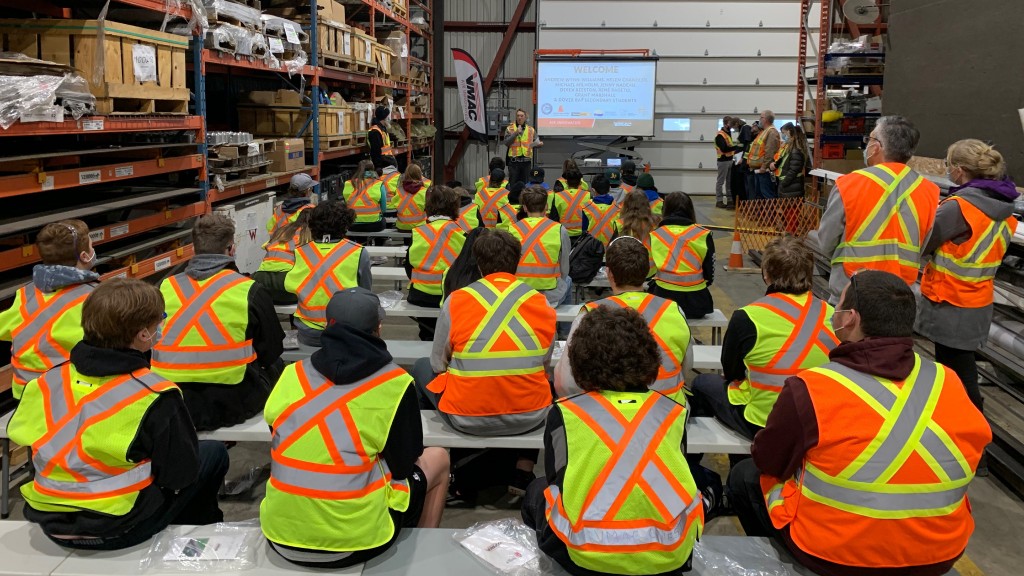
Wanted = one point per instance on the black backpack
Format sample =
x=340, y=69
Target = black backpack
x=586, y=259
x=464, y=270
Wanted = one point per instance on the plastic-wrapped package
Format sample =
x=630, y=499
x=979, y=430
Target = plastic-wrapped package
x=295, y=64
x=286, y=30
x=390, y=298
x=73, y=93
x=19, y=94
x=224, y=547
x=220, y=10
x=506, y=547
x=236, y=40
x=198, y=21
x=722, y=557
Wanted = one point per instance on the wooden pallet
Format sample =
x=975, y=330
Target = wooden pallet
x=130, y=106
x=231, y=173
x=332, y=142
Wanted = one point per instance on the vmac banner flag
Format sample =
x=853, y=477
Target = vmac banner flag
x=471, y=93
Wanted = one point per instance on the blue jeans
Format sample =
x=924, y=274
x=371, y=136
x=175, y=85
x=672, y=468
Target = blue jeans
x=767, y=188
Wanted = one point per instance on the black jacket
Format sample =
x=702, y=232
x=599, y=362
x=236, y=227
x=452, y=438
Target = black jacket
x=166, y=437
x=376, y=142
x=347, y=355
x=724, y=147
x=791, y=181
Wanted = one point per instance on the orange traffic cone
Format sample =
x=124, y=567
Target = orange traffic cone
x=736, y=256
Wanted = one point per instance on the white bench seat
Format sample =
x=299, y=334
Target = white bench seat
x=386, y=251
x=392, y=233
x=26, y=551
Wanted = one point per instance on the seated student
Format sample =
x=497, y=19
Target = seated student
x=390, y=178
x=515, y=195
x=496, y=163
x=684, y=255
x=295, y=201
x=627, y=263
x=280, y=258
x=408, y=201
x=328, y=264
x=645, y=184
x=636, y=219
x=629, y=176
x=115, y=455
x=348, y=468
x=783, y=333
x=544, y=262
x=563, y=182
x=615, y=189
x=44, y=322
x=617, y=496
x=864, y=464
x=537, y=178
x=222, y=341
x=469, y=212
x=567, y=207
x=365, y=195
x=601, y=211
x=492, y=202
x=435, y=245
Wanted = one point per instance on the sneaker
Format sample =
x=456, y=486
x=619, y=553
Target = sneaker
x=720, y=204
x=459, y=498
x=713, y=495
x=521, y=479
x=730, y=206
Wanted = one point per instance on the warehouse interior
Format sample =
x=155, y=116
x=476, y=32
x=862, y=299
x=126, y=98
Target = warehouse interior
x=141, y=117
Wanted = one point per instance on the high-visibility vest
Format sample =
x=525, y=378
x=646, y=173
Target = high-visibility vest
x=390, y=183
x=469, y=217
x=494, y=206
x=541, y=241
x=280, y=218
x=756, y=157
x=80, y=429
x=569, y=207
x=386, y=149
x=963, y=274
x=793, y=334
x=670, y=331
x=204, y=336
x=49, y=326
x=280, y=257
x=728, y=142
x=626, y=189
x=889, y=212
x=435, y=246
x=678, y=252
x=780, y=159
x=627, y=503
x=893, y=459
x=501, y=330
x=410, y=207
x=520, y=146
x=320, y=271
x=485, y=180
x=325, y=461
x=601, y=220
x=583, y=184
x=365, y=200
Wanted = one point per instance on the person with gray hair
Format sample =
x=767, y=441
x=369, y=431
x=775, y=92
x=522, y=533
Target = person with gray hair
x=762, y=151
x=880, y=217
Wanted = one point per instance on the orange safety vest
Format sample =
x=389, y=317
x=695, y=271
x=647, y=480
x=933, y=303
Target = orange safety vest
x=678, y=262
x=282, y=218
x=365, y=205
x=386, y=149
x=34, y=336
x=434, y=241
x=325, y=280
x=728, y=142
x=626, y=189
x=756, y=155
x=538, y=266
x=963, y=274
x=889, y=210
x=501, y=331
x=886, y=484
x=569, y=207
x=601, y=220
x=493, y=202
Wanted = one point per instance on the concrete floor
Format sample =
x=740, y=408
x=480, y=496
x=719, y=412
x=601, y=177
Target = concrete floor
x=994, y=549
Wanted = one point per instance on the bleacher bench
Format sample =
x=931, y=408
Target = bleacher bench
x=392, y=233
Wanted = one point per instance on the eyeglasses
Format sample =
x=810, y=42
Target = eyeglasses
x=867, y=140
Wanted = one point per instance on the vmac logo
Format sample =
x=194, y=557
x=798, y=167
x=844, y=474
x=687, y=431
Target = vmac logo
x=471, y=97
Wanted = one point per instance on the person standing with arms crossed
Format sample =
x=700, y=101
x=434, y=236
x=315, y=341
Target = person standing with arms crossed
x=521, y=139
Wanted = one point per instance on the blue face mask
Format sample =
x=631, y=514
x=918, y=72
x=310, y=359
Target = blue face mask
x=369, y=174
x=785, y=138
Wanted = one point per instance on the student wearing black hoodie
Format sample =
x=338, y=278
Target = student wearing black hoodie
x=350, y=386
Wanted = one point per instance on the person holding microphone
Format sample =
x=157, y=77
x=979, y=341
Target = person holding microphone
x=521, y=139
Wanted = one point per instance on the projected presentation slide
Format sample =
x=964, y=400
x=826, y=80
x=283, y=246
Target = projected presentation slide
x=586, y=97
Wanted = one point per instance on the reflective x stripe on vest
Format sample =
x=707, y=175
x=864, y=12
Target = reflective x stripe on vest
x=324, y=280
x=363, y=203
x=635, y=465
x=61, y=446
x=728, y=143
x=35, y=337
x=570, y=209
x=477, y=359
x=390, y=182
x=541, y=245
x=601, y=220
x=780, y=159
x=520, y=147
x=492, y=202
x=386, y=149
x=326, y=407
x=282, y=253
x=469, y=218
x=434, y=241
x=756, y=155
x=889, y=238
x=409, y=211
x=677, y=261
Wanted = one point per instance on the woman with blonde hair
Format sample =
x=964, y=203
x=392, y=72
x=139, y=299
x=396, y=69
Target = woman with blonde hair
x=972, y=232
x=636, y=218
x=365, y=194
x=409, y=200
x=280, y=258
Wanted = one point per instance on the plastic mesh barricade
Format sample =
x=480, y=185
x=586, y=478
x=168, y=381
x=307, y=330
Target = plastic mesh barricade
x=761, y=221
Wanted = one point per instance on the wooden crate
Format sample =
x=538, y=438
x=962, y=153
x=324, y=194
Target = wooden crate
x=384, y=57
x=362, y=48
x=401, y=7
x=287, y=120
x=110, y=69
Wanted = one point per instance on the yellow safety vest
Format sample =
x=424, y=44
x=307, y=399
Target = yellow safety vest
x=80, y=429
x=204, y=336
x=569, y=207
x=601, y=221
x=541, y=241
x=485, y=180
x=409, y=208
x=386, y=149
x=678, y=252
x=320, y=271
x=326, y=470
x=280, y=257
x=494, y=207
x=728, y=142
x=390, y=182
x=469, y=217
x=435, y=246
x=520, y=147
x=280, y=219
x=366, y=201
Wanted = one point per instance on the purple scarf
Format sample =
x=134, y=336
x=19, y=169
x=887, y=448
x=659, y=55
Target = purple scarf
x=1004, y=188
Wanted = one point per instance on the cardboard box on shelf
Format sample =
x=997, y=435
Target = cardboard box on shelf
x=285, y=121
x=289, y=154
x=250, y=217
x=275, y=98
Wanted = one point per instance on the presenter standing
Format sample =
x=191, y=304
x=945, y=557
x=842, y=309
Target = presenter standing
x=521, y=139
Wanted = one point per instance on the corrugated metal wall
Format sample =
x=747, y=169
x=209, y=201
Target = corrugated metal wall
x=483, y=46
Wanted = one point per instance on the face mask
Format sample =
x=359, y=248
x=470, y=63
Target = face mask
x=785, y=138
x=369, y=174
x=154, y=337
x=866, y=162
x=89, y=260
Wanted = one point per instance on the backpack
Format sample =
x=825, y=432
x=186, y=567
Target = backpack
x=586, y=259
x=463, y=270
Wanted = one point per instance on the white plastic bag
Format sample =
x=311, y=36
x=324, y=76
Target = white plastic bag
x=506, y=547
x=390, y=299
x=224, y=547
x=723, y=557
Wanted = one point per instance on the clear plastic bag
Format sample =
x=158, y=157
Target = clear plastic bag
x=19, y=94
x=506, y=547
x=722, y=557
x=390, y=299
x=224, y=547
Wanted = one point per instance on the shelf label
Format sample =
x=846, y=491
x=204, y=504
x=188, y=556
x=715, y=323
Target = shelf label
x=271, y=182
x=290, y=34
x=124, y=171
x=92, y=125
x=48, y=183
x=89, y=177
x=121, y=274
x=144, y=62
x=44, y=114
x=162, y=263
x=276, y=46
x=119, y=230
x=98, y=235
